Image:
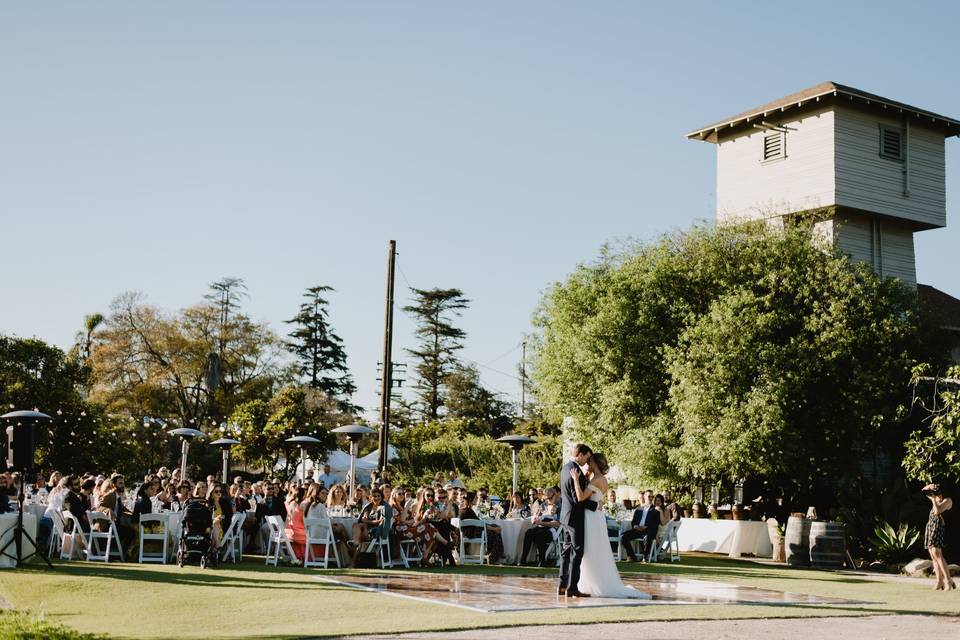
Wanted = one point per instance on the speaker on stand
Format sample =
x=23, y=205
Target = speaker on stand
x=21, y=443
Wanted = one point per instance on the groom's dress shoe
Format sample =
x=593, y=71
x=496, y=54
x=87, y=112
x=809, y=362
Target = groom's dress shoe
x=561, y=591
x=577, y=594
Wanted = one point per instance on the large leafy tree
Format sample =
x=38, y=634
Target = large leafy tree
x=296, y=410
x=933, y=448
x=321, y=358
x=439, y=339
x=727, y=353
x=147, y=362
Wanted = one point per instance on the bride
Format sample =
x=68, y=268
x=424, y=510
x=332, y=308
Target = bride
x=598, y=571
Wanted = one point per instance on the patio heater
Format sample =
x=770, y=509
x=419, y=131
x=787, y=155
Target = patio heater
x=225, y=444
x=516, y=442
x=303, y=442
x=353, y=432
x=186, y=434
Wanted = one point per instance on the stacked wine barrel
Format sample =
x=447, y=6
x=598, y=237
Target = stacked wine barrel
x=797, y=540
x=827, y=545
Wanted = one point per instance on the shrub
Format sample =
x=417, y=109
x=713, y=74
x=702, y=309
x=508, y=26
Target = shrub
x=893, y=545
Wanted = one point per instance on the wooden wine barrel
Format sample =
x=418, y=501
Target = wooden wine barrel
x=797, y=539
x=827, y=545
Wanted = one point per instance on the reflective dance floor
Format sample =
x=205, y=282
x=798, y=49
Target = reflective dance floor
x=522, y=593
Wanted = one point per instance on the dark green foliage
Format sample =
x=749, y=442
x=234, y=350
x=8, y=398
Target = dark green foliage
x=321, y=358
x=894, y=545
x=473, y=404
x=439, y=340
x=719, y=354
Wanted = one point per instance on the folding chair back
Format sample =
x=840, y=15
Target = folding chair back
x=231, y=545
x=162, y=537
x=320, y=534
x=101, y=543
x=277, y=543
x=73, y=545
x=477, y=541
x=614, y=539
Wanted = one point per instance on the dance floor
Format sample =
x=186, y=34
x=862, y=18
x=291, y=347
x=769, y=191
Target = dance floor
x=522, y=593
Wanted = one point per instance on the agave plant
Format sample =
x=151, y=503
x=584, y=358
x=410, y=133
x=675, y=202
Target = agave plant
x=893, y=545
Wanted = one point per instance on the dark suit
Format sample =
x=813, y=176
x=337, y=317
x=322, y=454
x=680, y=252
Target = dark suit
x=648, y=535
x=572, y=515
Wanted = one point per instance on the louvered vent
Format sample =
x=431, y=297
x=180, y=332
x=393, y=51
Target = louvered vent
x=773, y=145
x=891, y=143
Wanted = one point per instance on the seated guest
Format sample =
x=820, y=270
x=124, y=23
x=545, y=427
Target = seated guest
x=445, y=512
x=54, y=507
x=406, y=526
x=372, y=524
x=143, y=504
x=673, y=509
x=545, y=530
x=359, y=498
x=179, y=499
x=54, y=483
x=337, y=500
x=272, y=505
x=427, y=510
x=221, y=511
x=643, y=526
x=77, y=501
x=494, y=537
x=295, y=530
x=534, y=502
x=327, y=478
x=517, y=508
x=314, y=505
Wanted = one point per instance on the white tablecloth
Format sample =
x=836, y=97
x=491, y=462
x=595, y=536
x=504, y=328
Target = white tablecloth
x=511, y=531
x=36, y=509
x=733, y=537
x=7, y=522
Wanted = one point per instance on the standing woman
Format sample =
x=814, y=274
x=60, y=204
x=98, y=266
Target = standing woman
x=935, y=535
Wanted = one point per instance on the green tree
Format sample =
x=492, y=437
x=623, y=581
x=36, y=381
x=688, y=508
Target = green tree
x=149, y=363
x=295, y=410
x=469, y=401
x=933, y=449
x=321, y=358
x=439, y=340
x=724, y=353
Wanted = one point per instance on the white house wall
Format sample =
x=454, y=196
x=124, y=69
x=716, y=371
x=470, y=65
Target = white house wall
x=884, y=244
x=748, y=188
x=866, y=180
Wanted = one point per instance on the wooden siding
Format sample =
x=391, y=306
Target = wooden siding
x=865, y=180
x=748, y=188
x=884, y=244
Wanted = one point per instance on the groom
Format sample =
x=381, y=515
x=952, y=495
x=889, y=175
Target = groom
x=572, y=515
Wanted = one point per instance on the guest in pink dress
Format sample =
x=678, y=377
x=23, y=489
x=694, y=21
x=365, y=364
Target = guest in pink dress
x=296, y=532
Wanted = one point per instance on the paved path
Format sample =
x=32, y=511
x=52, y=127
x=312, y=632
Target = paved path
x=869, y=628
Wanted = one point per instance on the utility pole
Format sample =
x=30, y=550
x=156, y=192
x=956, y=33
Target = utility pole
x=387, y=380
x=523, y=381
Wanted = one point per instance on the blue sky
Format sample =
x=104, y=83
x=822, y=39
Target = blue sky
x=158, y=147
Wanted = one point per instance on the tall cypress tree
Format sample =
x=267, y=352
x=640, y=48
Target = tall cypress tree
x=439, y=340
x=321, y=358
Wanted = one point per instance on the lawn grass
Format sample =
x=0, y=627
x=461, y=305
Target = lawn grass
x=251, y=600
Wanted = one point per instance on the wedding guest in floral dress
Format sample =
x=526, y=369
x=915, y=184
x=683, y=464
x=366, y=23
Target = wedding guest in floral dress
x=407, y=528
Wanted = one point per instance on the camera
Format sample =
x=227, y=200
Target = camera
x=931, y=490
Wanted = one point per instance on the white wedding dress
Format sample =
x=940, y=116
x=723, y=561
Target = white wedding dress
x=599, y=576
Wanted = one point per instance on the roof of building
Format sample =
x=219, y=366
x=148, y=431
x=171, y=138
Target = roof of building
x=821, y=93
x=942, y=307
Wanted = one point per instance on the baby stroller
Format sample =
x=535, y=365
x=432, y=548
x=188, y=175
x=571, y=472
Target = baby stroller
x=196, y=541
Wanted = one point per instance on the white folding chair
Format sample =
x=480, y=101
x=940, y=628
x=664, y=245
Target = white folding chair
x=410, y=551
x=320, y=532
x=673, y=546
x=465, y=541
x=277, y=542
x=73, y=545
x=161, y=537
x=108, y=538
x=232, y=542
x=381, y=543
x=615, y=538
x=56, y=535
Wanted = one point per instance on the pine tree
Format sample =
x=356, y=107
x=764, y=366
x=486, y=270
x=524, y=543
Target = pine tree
x=321, y=358
x=439, y=341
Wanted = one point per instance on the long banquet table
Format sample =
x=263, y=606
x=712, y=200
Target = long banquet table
x=733, y=537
